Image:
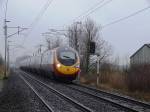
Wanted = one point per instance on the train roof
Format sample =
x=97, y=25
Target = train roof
x=66, y=48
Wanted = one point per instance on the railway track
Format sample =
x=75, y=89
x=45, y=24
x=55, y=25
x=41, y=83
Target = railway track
x=38, y=95
x=122, y=101
x=118, y=101
x=31, y=82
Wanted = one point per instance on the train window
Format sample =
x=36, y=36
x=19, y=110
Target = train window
x=67, y=55
x=67, y=58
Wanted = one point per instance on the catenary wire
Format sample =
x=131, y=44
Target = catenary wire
x=87, y=11
x=39, y=16
x=37, y=19
x=127, y=17
x=101, y=6
x=91, y=10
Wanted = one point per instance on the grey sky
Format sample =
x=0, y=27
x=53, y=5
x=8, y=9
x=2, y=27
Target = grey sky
x=125, y=37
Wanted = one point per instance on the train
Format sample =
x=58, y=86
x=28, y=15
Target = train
x=62, y=63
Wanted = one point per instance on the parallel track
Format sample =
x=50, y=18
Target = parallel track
x=124, y=103
x=66, y=98
x=144, y=105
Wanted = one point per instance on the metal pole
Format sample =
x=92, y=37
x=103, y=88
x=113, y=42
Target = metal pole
x=78, y=45
x=98, y=76
x=8, y=57
x=5, y=33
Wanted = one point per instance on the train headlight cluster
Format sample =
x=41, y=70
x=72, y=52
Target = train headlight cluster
x=58, y=65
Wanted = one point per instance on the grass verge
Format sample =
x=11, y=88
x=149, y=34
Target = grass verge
x=115, y=82
x=2, y=73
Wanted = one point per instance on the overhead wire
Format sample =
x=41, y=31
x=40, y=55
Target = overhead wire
x=94, y=10
x=39, y=16
x=91, y=10
x=36, y=20
x=87, y=11
x=127, y=17
x=116, y=21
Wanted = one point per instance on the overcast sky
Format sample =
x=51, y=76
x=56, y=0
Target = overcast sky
x=125, y=37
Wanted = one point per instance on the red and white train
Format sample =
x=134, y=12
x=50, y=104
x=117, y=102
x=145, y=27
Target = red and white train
x=60, y=63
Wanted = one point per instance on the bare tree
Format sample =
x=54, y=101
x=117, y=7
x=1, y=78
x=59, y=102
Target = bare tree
x=91, y=33
x=73, y=33
x=80, y=38
x=52, y=42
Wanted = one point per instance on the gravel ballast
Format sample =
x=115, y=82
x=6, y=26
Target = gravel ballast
x=94, y=104
x=18, y=97
x=57, y=103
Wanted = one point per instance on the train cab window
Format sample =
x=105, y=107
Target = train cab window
x=67, y=55
x=67, y=58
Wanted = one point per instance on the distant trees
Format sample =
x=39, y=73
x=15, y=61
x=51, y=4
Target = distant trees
x=80, y=37
x=52, y=43
x=74, y=35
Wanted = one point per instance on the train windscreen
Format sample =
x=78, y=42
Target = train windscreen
x=67, y=58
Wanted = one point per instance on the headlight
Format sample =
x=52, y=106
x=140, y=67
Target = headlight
x=58, y=65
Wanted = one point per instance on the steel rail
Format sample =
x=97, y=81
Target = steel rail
x=76, y=103
x=144, y=104
x=44, y=102
x=133, y=101
x=104, y=99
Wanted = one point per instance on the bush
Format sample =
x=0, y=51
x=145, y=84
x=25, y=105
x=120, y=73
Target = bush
x=138, y=78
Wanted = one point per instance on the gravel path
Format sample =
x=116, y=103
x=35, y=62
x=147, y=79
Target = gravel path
x=17, y=97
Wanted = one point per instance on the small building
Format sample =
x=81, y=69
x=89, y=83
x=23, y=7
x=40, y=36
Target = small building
x=141, y=56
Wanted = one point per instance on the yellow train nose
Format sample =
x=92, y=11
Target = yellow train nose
x=68, y=70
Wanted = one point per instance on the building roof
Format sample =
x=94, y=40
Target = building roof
x=148, y=45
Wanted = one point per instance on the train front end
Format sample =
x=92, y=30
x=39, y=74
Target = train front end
x=66, y=64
